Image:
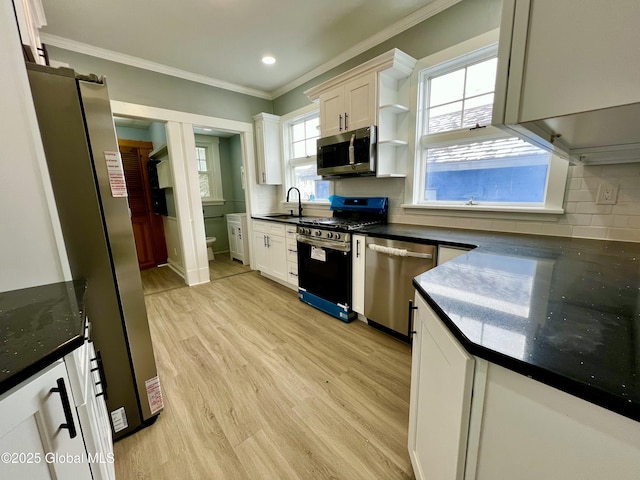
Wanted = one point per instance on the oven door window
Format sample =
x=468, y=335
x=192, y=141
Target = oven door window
x=325, y=273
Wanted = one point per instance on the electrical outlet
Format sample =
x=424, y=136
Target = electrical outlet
x=607, y=194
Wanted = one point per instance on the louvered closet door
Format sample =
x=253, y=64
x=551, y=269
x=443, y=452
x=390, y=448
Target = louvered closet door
x=138, y=205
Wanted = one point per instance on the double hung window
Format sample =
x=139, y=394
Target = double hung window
x=462, y=159
x=300, y=135
x=208, y=164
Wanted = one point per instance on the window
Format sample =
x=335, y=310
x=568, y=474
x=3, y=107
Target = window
x=300, y=134
x=208, y=164
x=464, y=161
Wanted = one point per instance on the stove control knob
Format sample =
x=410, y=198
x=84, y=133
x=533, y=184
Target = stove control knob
x=329, y=235
x=337, y=236
x=317, y=233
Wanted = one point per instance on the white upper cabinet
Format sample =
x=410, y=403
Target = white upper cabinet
x=268, y=151
x=374, y=93
x=30, y=17
x=349, y=106
x=569, y=77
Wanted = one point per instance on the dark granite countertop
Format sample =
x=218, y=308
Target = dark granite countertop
x=38, y=326
x=281, y=218
x=563, y=311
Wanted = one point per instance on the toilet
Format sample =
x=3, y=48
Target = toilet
x=210, y=241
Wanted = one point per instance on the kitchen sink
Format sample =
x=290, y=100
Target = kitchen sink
x=286, y=216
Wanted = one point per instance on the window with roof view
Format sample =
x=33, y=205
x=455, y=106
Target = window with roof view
x=463, y=159
x=300, y=136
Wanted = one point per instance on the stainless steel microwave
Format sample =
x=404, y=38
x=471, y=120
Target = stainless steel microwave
x=348, y=153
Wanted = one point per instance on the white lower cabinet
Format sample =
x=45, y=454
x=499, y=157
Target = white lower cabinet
x=475, y=420
x=292, y=255
x=237, y=230
x=358, y=243
x=32, y=441
x=440, y=403
x=32, y=418
x=270, y=249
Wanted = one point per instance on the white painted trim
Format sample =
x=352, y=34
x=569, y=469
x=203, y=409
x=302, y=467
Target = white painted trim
x=406, y=23
x=187, y=232
x=483, y=208
x=124, y=109
x=137, y=62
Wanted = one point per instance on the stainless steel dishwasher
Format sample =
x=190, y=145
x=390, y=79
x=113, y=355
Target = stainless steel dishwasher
x=390, y=266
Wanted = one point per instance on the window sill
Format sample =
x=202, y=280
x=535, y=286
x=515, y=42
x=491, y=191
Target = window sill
x=213, y=202
x=484, y=208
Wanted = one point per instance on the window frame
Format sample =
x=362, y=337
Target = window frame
x=212, y=146
x=289, y=162
x=469, y=52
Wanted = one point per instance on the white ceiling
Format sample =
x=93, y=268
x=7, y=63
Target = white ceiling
x=221, y=42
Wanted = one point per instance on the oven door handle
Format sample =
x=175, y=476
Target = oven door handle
x=328, y=244
x=398, y=252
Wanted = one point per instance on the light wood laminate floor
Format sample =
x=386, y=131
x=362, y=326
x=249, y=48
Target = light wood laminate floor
x=258, y=385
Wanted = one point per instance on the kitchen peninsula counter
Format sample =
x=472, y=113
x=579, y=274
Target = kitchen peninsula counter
x=39, y=325
x=563, y=311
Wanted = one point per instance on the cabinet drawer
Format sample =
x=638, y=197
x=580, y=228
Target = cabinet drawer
x=292, y=273
x=270, y=228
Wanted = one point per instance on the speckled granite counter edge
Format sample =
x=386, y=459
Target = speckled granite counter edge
x=548, y=377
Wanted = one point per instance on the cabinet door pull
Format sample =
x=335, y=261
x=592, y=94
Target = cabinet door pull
x=264, y=240
x=264, y=177
x=412, y=307
x=357, y=248
x=346, y=116
x=66, y=406
x=340, y=122
x=103, y=378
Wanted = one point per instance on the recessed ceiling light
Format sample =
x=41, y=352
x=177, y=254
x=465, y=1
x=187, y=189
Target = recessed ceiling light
x=268, y=60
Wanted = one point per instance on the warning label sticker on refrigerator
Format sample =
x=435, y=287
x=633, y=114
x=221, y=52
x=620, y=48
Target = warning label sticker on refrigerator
x=119, y=419
x=116, y=174
x=154, y=394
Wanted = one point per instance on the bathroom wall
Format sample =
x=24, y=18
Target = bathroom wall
x=215, y=222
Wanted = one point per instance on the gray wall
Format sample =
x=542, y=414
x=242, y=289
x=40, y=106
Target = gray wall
x=234, y=202
x=463, y=21
x=135, y=85
x=129, y=133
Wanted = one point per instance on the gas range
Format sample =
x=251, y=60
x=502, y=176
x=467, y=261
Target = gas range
x=325, y=256
x=350, y=213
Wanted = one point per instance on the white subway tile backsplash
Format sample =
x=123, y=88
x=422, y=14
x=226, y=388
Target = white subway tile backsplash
x=574, y=184
x=578, y=219
x=591, y=207
x=580, y=196
x=624, y=234
x=602, y=220
x=590, y=232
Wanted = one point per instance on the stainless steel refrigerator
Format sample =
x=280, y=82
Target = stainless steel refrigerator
x=78, y=134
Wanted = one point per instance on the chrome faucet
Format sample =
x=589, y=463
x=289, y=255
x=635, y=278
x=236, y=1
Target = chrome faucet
x=299, y=199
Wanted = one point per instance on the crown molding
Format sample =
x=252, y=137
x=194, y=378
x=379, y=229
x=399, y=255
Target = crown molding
x=406, y=23
x=137, y=62
x=409, y=21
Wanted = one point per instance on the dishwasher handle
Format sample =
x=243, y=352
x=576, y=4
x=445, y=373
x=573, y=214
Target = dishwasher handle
x=398, y=252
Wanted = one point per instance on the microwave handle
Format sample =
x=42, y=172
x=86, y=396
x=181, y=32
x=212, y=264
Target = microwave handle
x=352, y=156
